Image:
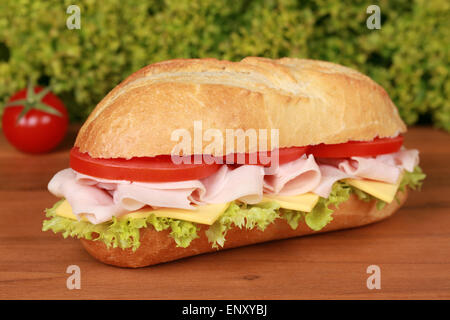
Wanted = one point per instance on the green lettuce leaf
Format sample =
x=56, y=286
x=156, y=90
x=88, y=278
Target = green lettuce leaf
x=183, y=232
x=292, y=217
x=413, y=179
x=242, y=215
x=122, y=233
x=321, y=215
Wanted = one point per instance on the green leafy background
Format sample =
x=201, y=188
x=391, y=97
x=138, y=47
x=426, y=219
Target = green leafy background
x=409, y=56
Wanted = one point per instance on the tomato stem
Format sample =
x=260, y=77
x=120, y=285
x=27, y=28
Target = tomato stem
x=33, y=100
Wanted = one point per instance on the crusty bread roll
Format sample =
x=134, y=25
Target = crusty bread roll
x=157, y=247
x=310, y=102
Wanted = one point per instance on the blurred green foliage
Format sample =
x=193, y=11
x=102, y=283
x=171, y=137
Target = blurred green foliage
x=409, y=56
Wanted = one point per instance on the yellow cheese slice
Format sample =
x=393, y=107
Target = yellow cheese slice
x=205, y=214
x=65, y=210
x=302, y=202
x=381, y=190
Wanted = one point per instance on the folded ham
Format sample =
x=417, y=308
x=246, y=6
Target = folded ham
x=295, y=177
x=329, y=175
x=101, y=199
x=136, y=195
x=366, y=168
x=244, y=183
x=94, y=203
x=403, y=159
x=386, y=167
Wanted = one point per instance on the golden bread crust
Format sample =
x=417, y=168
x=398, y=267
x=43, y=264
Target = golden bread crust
x=309, y=101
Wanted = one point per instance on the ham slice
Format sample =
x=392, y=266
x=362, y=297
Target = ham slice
x=244, y=183
x=293, y=178
x=106, y=184
x=403, y=159
x=94, y=203
x=101, y=199
x=330, y=175
x=386, y=167
x=223, y=186
x=136, y=195
x=370, y=168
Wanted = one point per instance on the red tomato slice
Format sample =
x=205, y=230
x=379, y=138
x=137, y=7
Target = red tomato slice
x=163, y=169
x=357, y=148
x=145, y=169
x=264, y=158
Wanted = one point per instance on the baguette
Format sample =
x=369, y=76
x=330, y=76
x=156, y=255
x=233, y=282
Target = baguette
x=309, y=102
x=158, y=247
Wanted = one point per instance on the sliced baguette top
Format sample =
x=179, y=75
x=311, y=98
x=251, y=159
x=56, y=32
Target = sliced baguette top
x=308, y=101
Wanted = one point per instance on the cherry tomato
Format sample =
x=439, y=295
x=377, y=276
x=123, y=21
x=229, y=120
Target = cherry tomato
x=34, y=120
x=357, y=148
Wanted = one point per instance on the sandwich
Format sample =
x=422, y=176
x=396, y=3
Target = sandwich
x=191, y=156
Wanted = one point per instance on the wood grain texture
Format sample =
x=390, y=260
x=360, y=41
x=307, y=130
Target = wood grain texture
x=412, y=248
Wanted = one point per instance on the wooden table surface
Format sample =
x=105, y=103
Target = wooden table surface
x=412, y=248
